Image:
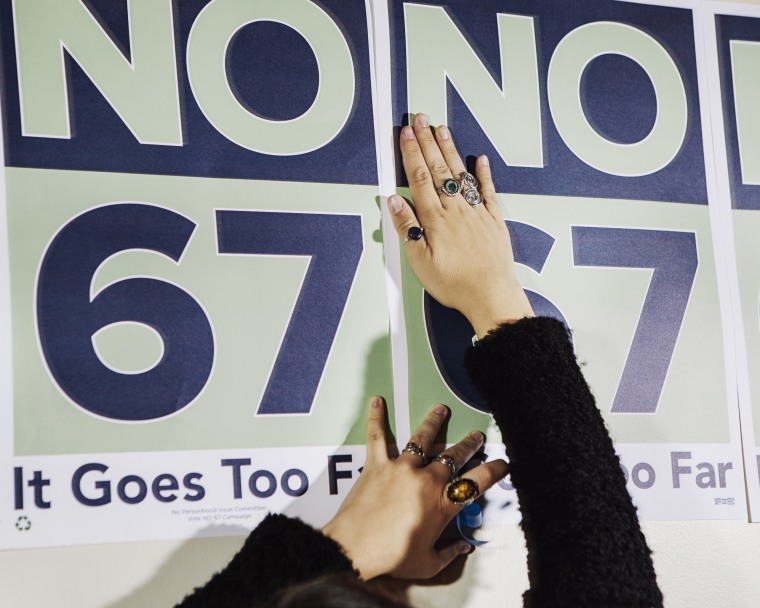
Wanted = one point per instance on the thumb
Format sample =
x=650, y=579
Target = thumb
x=402, y=215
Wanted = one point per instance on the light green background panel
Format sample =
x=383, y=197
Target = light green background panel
x=603, y=306
x=248, y=300
x=747, y=242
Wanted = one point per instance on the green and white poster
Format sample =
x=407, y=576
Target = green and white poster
x=735, y=30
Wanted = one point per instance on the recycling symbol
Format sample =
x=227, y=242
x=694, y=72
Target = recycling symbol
x=23, y=523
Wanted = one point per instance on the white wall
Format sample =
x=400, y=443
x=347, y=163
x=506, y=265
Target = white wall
x=710, y=564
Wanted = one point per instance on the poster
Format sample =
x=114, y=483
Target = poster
x=737, y=34
x=595, y=119
x=194, y=288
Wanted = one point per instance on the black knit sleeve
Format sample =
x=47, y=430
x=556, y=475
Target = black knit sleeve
x=585, y=546
x=280, y=552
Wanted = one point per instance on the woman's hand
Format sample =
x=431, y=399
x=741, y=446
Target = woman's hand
x=393, y=516
x=464, y=258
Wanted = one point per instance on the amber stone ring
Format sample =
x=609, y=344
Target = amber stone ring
x=462, y=491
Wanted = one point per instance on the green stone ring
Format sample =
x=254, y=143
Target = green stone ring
x=462, y=491
x=451, y=187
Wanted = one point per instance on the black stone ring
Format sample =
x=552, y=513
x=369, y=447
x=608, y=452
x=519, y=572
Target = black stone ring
x=414, y=234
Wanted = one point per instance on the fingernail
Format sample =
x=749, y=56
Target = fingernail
x=407, y=133
x=443, y=132
x=483, y=160
x=376, y=401
x=395, y=203
x=478, y=436
x=465, y=548
x=440, y=409
x=421, y=120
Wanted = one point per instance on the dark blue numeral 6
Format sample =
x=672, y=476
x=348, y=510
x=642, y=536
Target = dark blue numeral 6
x=67, y=318
x=450, y=333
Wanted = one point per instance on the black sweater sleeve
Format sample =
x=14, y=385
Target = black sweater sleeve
x=585, y=547
x=280, y=552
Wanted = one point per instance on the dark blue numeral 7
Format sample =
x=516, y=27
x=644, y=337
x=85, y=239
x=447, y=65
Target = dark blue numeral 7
x=673, y=257
x=335, y=245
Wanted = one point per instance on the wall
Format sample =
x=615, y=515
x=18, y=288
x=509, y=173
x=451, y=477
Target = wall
x=698, y=563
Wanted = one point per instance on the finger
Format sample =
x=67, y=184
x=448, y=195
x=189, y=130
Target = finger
x=439, y=168
x=426, y=433
x=377, y=443
x=449, y=150
x=487, y=188
x=424, y=193
x=448, y=554
x=486, y=475
x=403, y=218
x=460, y=453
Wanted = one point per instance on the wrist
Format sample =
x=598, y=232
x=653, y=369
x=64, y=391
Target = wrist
x=350, y=550
x=485, y=316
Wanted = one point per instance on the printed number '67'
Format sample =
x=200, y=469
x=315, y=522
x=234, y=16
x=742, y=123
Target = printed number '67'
x=67, y=317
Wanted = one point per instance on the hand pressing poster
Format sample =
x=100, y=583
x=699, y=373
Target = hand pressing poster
x=193, y=292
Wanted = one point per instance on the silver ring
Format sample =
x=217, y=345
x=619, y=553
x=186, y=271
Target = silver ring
x=414, y=234
x=451, y=186
x=416, y=449
x=472, y=197
x=469, y=180
x=447, y=460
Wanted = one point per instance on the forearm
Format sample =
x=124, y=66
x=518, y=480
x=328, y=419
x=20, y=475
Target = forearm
x=584, y=540
x=279, y=553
